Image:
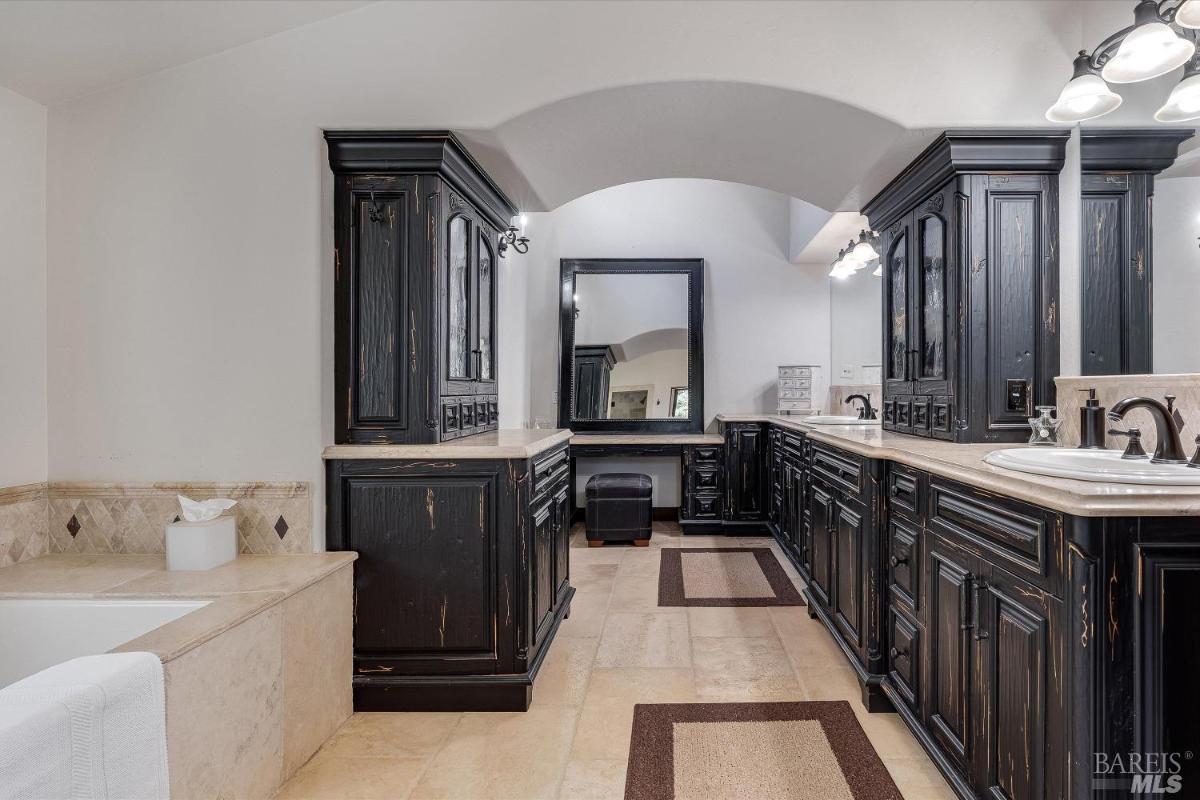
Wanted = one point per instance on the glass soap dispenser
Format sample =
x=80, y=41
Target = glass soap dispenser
x=1045, y=428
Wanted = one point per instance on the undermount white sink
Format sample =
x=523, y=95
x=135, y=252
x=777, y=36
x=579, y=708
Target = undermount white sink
x=831, y=420
x=1093, y=465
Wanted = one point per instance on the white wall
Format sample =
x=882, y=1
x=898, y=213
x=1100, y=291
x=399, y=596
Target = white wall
x=856, y=322
x=22, y=290
x=660, y=369
x=1177, y=275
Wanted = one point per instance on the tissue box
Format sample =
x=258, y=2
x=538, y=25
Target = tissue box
x=201, y=545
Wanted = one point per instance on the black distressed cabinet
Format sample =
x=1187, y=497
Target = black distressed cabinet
x=1116, y=237
x=746, y=489
x=416, y=224
x=462, y=577
x=969, y=256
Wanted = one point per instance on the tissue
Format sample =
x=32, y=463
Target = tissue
x=204, y=510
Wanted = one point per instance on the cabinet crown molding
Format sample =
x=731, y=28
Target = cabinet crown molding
x=1130, y=149
x=1028, y=150
x=420, y=152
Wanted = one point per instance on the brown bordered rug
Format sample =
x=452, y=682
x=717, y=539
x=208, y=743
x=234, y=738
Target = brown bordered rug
x=771, y=588
x=715, y=769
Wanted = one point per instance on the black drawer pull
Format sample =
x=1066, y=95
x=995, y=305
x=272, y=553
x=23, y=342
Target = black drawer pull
x=897, y=653
x=896, y=561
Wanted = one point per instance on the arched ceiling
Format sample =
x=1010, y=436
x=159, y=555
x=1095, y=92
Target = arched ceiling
x=799, y=144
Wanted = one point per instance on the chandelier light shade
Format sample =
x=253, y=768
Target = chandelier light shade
x=1086, y=95
x=1149, y=50
x=1184, y=102
x=1188, y=14
x=864, y=250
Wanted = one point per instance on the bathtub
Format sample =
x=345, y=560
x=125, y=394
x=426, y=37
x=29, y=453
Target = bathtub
x=38, y=633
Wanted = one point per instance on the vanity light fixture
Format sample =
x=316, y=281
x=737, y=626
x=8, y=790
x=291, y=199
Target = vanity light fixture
x=1148, y=48
x=865, y=249
x=514, y=237
x=1184, y=102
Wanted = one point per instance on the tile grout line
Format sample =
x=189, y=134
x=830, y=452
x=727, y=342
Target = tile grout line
x=434, y=754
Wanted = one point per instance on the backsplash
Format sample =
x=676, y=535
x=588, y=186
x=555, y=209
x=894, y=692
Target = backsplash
x=131, y=518
x=24, y=516
x=840, y=391
x=1111, y=388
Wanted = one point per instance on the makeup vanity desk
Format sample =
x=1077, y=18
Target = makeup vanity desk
x=704, y=461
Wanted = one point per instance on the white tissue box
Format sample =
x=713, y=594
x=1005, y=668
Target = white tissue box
x=201, y=545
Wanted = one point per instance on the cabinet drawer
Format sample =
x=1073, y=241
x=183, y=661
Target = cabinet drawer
x=904, y=656
x=841, y=469
x=906, y=492
x=889, y=412
x=704, y=505
x=550, y=470
x=941, y=419
x=702, y=479
x=1018, y=533
x=795, y=372
x=804, y=384
x=921, y=407
x=904, y=563
x=903, y=414
x=706, y=454
x=794, y=405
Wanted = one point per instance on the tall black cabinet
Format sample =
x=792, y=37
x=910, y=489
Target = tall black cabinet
x=1116, y=237
x=593, y=368
x=969, y=250
x=416, y=224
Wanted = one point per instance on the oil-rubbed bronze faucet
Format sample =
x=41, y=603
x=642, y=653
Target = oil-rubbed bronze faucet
x=865, y=411
x=1168, y=449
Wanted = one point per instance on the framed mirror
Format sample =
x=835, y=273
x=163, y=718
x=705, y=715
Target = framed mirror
x=631, y=353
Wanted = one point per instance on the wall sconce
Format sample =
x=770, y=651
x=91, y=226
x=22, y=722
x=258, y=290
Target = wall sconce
x=510, y=237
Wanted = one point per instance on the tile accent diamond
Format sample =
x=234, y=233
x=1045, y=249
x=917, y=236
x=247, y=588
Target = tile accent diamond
x=281, y=527
x=73, y=526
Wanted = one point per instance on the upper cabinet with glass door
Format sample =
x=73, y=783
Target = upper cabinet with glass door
x=415, y=268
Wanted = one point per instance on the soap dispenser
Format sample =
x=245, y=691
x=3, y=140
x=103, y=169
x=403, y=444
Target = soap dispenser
x=1092, y=423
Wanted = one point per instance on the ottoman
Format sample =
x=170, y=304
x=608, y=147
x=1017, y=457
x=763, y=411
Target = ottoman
x=619, y=508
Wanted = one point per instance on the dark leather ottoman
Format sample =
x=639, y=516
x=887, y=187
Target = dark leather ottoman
x=619, y=508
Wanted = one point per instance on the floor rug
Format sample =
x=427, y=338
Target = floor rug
x=733, y=576
x=753, y=751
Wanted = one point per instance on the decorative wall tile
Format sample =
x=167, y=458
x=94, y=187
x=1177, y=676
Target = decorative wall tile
x=23, y=513
x=132, y=517
x=1111, y=388
x=839, y=392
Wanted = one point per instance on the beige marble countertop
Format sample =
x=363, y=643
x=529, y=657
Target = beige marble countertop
x=504, y=443
x=236, y=591
x=964, y=462
x=647, y=438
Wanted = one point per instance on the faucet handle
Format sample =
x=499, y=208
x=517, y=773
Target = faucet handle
x=1134, y=449
x=1173, y=412
x=1195, y=462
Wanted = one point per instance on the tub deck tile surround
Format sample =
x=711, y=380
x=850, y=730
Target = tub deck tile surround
x=130, y=518
x=964, y=462
x=256, y=681
x=23, y=523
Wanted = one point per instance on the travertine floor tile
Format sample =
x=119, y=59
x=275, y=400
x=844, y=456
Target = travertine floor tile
x=328, y=777
x=746, y=669
x=831, y=683
x=594, y=780
x=644, y=640
x=637, y=593
x=642, y=562
x=808, y=644
x=733, y=621
x=606, y=719
x=385, y=734
x=918, y=779
x=564, y=674
x=587, y=616
x=501, y=755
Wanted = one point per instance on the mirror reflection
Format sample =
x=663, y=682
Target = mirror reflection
x=631, y=346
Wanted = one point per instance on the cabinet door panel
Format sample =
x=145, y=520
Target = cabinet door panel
x=848, y=584
x=458, y=299
x=896, y=356
x=1014, y=649
x=542, y=567
x=380, y=273
x=562, y=539
x=485, y=294
x=422, y=540
x=746, y=488
x=950, y=667
x=931, y=275
x=821, y=510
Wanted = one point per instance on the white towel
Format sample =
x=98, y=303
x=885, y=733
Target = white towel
x=116, y=732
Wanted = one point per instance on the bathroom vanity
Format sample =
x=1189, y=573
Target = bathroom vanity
x=1018, y=624
x=462, y=576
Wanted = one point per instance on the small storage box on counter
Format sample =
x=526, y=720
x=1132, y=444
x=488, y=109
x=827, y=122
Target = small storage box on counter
x=202, y=540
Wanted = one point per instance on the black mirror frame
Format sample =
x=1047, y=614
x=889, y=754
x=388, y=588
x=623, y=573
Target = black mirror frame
x=693, y=268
